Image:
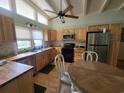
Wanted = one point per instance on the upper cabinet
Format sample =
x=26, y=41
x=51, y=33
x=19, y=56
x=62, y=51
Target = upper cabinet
x=7, y=29
x=80, y=34
x=68, y=31
x=53, y=35
x=98, y=27
x=59, y=36
x=50, y=35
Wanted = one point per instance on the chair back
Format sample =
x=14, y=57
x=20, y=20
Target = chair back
x=86, y=55
x=59, y=62
x=94, y=55
x=90, y=56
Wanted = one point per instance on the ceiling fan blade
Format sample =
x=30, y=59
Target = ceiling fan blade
x=71, y=16
x=68, y=8
x=50, y=11
x=53, y=18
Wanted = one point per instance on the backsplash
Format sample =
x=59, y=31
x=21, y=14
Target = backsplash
x=8, y=49
x=61, y=43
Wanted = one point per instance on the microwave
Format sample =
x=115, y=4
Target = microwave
x=69, y=37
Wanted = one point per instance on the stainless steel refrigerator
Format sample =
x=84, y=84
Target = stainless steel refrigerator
x=100, y=43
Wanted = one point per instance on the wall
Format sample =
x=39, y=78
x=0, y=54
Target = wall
x=92, y=19
x=7, y=49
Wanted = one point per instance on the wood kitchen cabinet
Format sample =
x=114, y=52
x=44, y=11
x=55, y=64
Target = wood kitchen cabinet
x=80, y=34
x=50, y=35
x=53, y=35
x=7, y=29
x=94, y=28
x=59, y=34
x=68, y=31
x=44, y=58
x=46, y=35
x=40, y=61
x=21, y=84
x=78, y=54
x=115, y=41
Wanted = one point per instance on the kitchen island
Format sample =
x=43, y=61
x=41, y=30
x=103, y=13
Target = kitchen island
x=16, y=78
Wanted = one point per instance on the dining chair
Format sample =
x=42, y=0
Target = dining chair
x=64, y=75
x=90, y=56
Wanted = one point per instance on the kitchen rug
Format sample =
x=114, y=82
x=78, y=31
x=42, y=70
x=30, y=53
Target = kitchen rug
x=47, y=69
x=39, y=89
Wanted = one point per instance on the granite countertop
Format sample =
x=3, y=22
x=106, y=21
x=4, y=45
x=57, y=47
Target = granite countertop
x=11, y=70
x=26, y=54
x=96, y=77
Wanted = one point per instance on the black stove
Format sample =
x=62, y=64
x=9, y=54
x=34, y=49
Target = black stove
x=68, y=52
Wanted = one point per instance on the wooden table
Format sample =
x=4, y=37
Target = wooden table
x=96, y=77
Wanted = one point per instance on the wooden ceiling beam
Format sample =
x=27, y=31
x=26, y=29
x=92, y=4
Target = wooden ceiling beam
x=52, y=5
x=121, y=6
x=69, y=3
x=104, y=5
x=85, y=6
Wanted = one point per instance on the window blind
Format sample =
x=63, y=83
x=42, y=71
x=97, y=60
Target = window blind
x=24, y=9
x=22, y=33
x=37, y=34
x=42, y=19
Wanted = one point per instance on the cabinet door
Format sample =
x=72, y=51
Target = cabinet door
x=46, y=35
x=9, y=29
x=78, y=54
x=80, y=34
x=98, y=27
x=101, y=27
x=25, y=83
x=59, y=35
x=53, y=35
x=1, y=30
x=115, y=41
x=21, y=84
x=40, y=61
x=92, y=28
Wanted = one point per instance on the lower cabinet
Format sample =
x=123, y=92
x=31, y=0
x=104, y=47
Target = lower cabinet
x=78, y=53
x=39, y=60
x=44, y=58
x=21, y=84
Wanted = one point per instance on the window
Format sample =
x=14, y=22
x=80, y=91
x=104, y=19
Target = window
x=38, y=43
x=22, y=44
x=24, y=9
x=38, y=38
x=23, y=36
x=5, y=4
x=42, y=19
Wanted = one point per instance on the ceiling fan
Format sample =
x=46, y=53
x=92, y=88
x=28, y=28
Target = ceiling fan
x=62, y=13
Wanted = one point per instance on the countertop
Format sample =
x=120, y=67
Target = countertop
x=26, y=54
x=96, y=77
x=11, y=70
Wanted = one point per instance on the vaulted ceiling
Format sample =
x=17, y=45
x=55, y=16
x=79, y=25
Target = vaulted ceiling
x=81, y=7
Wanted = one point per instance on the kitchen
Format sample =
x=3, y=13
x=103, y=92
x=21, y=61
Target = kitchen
x=27, y=37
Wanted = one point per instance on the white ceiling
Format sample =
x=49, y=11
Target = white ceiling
x=81, y=7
